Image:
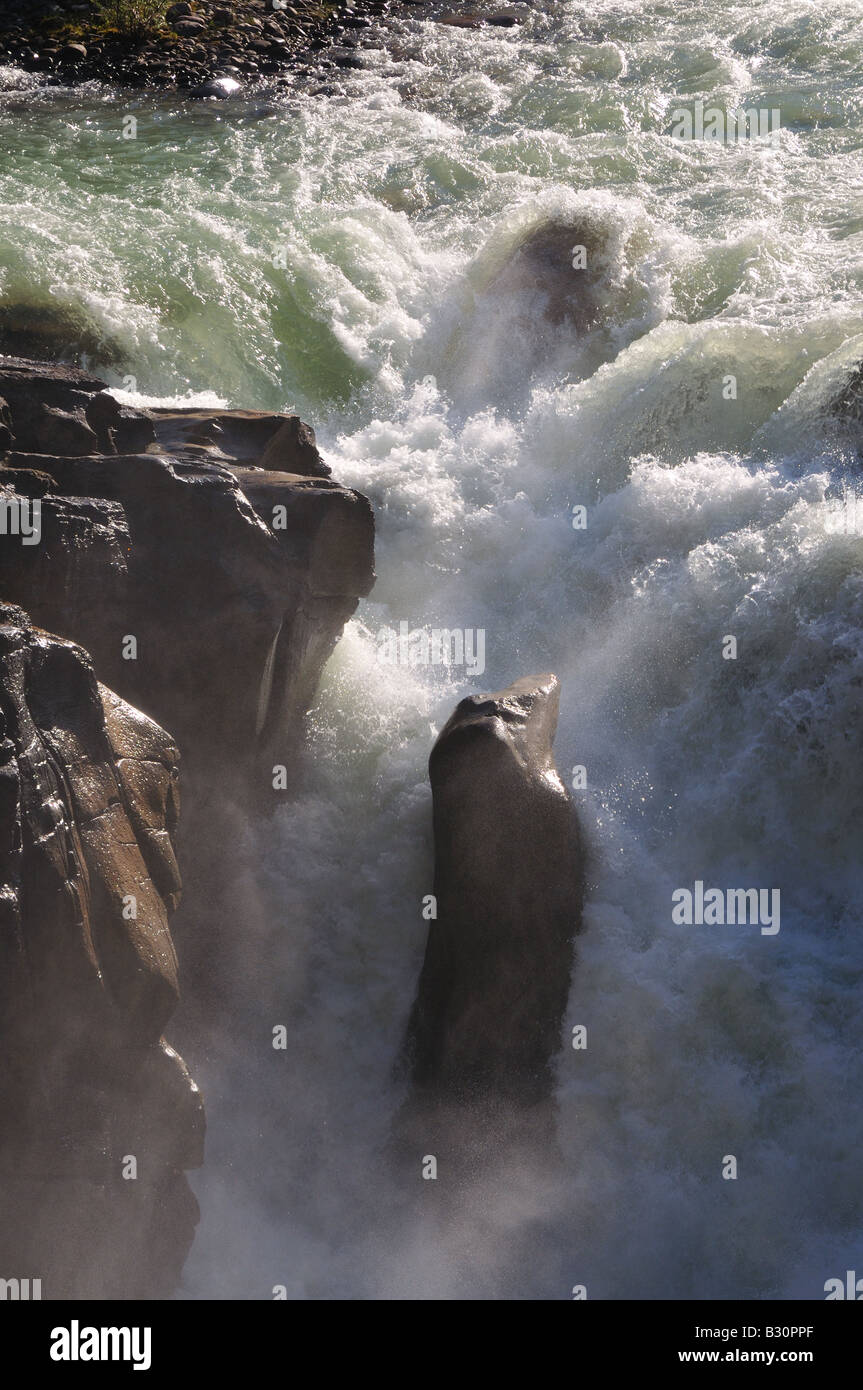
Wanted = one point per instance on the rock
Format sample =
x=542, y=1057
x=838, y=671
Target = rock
x=189, y=28
x=542, y=262
x=6, y=435
x=179, y=11
x=235, y=599
x=509, y=885
x=88, y=806
x=248, y=438
x=846, y=405
x=70, y=53
x=53, y=331
x=504, y=19
x=219, y=87
x=462, y=21
x=61, y=410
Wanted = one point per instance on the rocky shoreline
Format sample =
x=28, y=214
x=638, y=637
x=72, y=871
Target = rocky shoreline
x=245, y=40
x=212, y=48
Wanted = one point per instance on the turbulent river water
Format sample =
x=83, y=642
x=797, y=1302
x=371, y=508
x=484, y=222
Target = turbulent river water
x=353, y=253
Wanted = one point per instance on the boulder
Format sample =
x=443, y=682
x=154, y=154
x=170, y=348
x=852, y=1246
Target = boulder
x=61, y=410
x=462, y=21
x=88, y=879
x=508, y=883
x=541, y=264
x=233, y=561
x=248, y=438
x=219, y=87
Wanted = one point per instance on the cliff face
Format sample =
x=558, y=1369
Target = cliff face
x=100, y=1117
x=207, y=563
x=204, y=559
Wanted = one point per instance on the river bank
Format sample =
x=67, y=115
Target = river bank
x=245, y=41
x=70, y=43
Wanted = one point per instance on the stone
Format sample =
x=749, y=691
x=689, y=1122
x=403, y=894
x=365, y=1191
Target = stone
x=88, y=808
x=508, y=883
x=235, y=605
x=6, y=436
x=462, y=21
x=61, y=410
x=249, y=438
x=218, y=87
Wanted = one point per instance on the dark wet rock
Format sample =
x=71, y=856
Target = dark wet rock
x=462, y=21
x=183, y=52
x=53, y=331
x=249, y=438
x=846, y=406
x=235, y=598
x=57, y=409
x=188, y=28
x=6, y=436
x=542, y=263
x=508, y=885
x=218, y=87
x=88, y=878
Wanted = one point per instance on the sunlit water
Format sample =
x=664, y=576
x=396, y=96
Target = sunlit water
x=346, y=255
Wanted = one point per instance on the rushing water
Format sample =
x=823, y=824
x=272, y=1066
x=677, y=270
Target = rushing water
x=353, y=254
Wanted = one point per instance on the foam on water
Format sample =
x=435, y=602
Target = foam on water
x=475, y=420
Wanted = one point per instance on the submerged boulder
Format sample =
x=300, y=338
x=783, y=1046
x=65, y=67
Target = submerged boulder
x=219, y=88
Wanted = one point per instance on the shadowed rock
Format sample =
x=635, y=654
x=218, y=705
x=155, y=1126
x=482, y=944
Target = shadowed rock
x=487, y=1021
x=61, y=410
x=233, y=561
x=88, y=982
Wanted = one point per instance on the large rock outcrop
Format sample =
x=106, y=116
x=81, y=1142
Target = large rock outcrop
x=99, y=1117
x=508, y=884
x=214, y=539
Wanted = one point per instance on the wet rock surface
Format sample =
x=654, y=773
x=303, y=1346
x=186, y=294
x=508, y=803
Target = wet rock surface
x=204, y=559
x=188, y=48
x=216, y=51
x=100, y=1118
x=509, y=869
